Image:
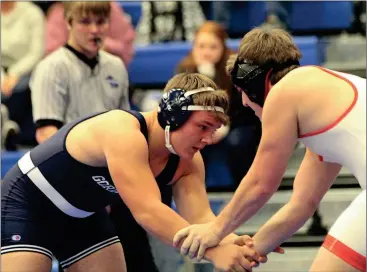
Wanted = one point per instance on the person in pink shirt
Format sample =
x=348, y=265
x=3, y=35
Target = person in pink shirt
x=119, y=39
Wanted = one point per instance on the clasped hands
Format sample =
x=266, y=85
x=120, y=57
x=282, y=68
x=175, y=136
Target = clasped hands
x=235, y=255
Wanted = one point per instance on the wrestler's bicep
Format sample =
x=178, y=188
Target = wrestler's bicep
x=128, y=163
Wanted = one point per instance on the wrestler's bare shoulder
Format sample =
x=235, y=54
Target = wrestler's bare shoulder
x=111, y=122
x=118, y=118
x=310, y=78
x=301, y=76
x=115, y=124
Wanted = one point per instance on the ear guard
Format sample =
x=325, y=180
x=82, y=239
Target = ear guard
x=251, y=78
x=176, y=107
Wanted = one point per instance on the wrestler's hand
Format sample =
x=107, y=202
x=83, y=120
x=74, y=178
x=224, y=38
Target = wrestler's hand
x=230, y=257
x=198, y=239
x=246, y=240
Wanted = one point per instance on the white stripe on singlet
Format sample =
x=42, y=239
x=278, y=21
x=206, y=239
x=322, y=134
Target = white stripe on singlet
x=28, y=168
x=89, y=251
x=23, y=247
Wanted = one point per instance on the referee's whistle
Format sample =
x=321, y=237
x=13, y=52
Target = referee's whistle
x=98, y=41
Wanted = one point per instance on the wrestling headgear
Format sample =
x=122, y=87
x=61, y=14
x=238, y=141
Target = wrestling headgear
x=176, y=107
x=253, y=78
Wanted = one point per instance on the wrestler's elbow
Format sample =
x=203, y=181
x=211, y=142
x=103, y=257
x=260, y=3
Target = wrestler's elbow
x=146, y=214
x=265, y=189
x=265, y=186
x=143, y=218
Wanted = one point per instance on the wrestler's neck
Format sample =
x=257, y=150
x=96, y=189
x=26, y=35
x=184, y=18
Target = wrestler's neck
x=156, y=140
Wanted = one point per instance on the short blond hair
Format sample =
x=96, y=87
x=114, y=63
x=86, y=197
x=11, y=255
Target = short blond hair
x=192, y=81
x=74, y=9
x=262, y=45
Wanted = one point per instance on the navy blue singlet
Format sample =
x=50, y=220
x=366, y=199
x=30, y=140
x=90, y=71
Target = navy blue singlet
x=85, y=187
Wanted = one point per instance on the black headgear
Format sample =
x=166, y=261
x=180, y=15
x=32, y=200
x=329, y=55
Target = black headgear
x=251, y=78
x=176, y=106
x=175, y=109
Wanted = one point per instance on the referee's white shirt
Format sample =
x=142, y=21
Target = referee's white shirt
x=64, y=87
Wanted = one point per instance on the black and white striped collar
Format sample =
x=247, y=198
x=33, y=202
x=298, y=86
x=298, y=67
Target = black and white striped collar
x=92, y=63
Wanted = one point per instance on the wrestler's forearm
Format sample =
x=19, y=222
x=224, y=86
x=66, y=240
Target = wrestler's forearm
x=280, y=227
x=161, y=221
x=249, y=198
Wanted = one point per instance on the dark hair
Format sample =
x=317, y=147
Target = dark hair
x=264, y=45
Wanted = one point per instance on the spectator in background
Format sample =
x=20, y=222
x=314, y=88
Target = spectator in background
x=208, y=56
x=119, y=37
x=79, y=79
x=22, y=46
x=205, y=52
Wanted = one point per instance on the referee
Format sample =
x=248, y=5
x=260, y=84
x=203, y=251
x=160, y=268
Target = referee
x=80, y=79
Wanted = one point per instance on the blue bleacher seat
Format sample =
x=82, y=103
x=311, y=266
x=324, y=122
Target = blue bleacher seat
x=155, y=64
x=304, y=16
x=321, y=15
x=8, y=159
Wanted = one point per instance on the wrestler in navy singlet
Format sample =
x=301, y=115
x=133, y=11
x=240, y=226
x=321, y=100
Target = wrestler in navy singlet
x=69, y=198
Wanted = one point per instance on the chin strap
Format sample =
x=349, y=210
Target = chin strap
x=168, y=144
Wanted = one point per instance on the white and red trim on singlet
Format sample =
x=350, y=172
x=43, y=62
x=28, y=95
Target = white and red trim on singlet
x=344, y=252
x=341, y=117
